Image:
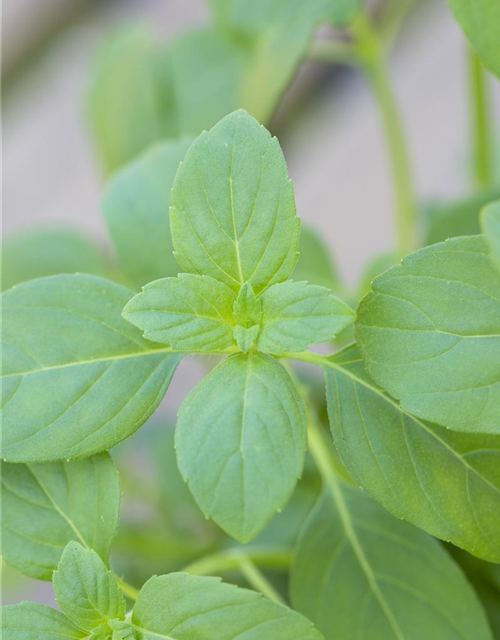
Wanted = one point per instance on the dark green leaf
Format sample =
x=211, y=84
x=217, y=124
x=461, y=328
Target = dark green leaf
x=315, y=264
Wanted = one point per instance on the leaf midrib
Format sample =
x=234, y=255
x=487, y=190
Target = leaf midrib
x=126, y=356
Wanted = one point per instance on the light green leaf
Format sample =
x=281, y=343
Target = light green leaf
x=45, y=506
x=31, y=621
x=247, y=308
x=233, y=209
x=47, y=252
x=445, y=482
x=430, y=335
x=296, y=315
x=126, y=109
x=245, y=337
x=77, y=378
x=86, y=591
x=360, y=573
x=459, y=218
x=241, y=439
x=490, y=222
x=189, y=313
x=135, y=206
x=183, y=607
x=480, y=21
x=315, y=264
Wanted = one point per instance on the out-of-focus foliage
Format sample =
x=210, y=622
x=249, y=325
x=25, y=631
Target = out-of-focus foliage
x=47, y=252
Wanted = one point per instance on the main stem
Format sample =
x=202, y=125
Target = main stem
x=480, y=127
x=372, y=55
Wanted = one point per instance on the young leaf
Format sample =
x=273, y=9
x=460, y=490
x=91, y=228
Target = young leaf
x=430, y=335
x=445, y=482
x=189, y=313
x=125, y=109
x=47, y=252
x=183, y=607
x=45, y=506
x=360, y=573
x=240, y=439
x=490, y=222
x=86, y=591
x=296, y=315
x=31, y=621
x=233, y=209
x=315, y=264
x=135, y=206
x=77, y=378
x=247, y=308
x=480, y=21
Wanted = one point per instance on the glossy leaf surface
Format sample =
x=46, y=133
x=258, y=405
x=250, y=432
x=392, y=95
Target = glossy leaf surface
x=77, y=378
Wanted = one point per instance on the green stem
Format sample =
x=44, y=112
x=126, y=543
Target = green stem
x=258, y=580
x=230, y=560
x=130, y=591
x=373, y=58
x=480, y=127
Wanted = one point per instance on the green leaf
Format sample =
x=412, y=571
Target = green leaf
x=125, y=105
x=315, y=264
x=77, y=378
x=233, y=209
x=45, y=506
x=480, y=21
x=47, y=252
x=86, y=591
x=135, y=206
x=31, y=621
x=246, y=337
x=460, y=218
x=360, y=573
x=296, y=315
x=183, y=607
x=490, y=222
x=247, y=308
x=189, y=313
x=445, y=482
x=241, y=439
x=430, y=335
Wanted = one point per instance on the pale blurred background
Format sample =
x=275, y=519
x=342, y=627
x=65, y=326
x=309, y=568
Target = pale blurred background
x=328, y=126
